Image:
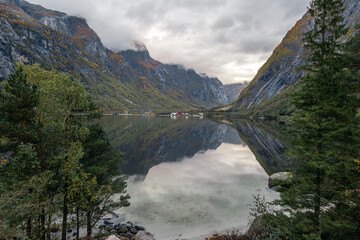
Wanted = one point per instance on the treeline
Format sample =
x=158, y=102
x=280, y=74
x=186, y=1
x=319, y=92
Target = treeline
x=57, y=170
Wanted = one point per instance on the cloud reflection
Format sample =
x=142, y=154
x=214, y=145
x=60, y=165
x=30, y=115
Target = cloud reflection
x=209, y=192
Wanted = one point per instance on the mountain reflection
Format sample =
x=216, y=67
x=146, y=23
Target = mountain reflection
x=268, y=141
x=147, y=142
x=189, y=177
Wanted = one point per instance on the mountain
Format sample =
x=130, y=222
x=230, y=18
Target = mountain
x=126, y=80
x=175, y=80
x=281, y=70
x=233, y=90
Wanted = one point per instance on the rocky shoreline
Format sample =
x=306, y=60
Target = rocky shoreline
x=124, y=231
x=114, y=227
x=110, y=227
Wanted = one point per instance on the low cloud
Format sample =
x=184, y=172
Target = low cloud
x=229, y=39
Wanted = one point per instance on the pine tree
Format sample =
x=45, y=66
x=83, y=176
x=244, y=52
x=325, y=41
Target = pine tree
x=17, y=109
x=327, y=133
x=102, y=162
x=19, y=99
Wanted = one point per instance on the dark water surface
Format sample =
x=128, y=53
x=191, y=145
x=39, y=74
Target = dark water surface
x=191, y=177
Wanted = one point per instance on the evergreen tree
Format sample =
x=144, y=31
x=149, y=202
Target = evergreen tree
x=19, y=99
x=327, y=134
x=17, y=109
x=103, y=163
x=47, y=177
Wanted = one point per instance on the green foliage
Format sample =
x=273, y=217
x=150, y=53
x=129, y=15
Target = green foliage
x=102, y=163
x=17, y=109
x=327, y=135
x=45, y=177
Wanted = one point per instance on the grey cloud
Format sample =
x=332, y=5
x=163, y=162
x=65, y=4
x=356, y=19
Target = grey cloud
x=224, y=38
x=144, y=11
x=223, y=22
x=198, y=4
x=258, y=46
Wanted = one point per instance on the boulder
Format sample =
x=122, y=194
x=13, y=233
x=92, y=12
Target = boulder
x=129, y=235
x=109, y=227
x=142, y=235
x=112, y=237
x=122, y=229
x=129, y=225
x=133, y=230
x=280, y=179
x=139, y=228
x=114, y=215
x=106, y=222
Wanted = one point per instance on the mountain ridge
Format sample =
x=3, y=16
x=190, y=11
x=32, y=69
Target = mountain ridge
x=33, y=34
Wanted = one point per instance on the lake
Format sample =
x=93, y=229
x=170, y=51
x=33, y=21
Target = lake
x=189, y=178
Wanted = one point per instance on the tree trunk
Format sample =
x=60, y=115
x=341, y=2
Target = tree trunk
x=42, y=222
x=64, y=222
x=317, y=204
x=77, y=223
x=29, y=227
x=48, y=232
x=88, y=224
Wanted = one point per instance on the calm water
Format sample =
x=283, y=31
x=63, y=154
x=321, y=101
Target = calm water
x=192, y=177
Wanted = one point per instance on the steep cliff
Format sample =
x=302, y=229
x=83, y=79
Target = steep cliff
x=233, y=90
x=128, y=80
x=174, y=80
x=281, y=70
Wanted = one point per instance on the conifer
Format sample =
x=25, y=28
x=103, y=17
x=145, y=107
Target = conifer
x=327, y=132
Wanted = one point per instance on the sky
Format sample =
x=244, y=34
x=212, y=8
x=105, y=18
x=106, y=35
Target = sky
x=228, y=39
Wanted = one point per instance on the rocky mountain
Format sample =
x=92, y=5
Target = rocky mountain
x=127, y=80
x=175, y=80
x=233, y=90
x=281, y=69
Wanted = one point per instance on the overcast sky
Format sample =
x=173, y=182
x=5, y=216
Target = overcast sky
x=229, y=39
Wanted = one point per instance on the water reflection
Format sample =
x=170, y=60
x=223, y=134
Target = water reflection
x=192, y=176
x=209, y=192
x=147, y=142
x=269, y=141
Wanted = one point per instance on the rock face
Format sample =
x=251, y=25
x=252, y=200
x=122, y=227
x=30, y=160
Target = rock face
x=280, y=70
x=127, y=80
x=199, y=90
x=233, y=90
